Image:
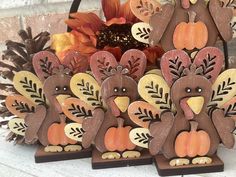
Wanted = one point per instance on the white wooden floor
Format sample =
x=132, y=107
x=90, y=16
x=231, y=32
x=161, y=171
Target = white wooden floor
x=18, y=161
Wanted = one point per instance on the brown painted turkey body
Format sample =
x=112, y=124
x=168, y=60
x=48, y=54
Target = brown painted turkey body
x=186, y=115
x=191, y=93
x=109, y=92
x=186, y=88
x=38, y=106
x=118, y=90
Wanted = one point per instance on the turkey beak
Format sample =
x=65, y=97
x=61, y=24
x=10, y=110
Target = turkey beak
x=61, y=98
x=196, y=104
x=122, y=102
x=193, y=1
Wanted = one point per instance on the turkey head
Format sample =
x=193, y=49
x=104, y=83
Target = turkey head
x=118, y=80
x=191, y=93
x=191, y=83
x=57, y=86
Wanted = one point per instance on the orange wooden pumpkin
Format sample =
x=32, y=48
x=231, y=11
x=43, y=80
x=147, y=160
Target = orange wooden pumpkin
x=190, y=35
x=117, y=139
x=56, y=135
x=192, y=143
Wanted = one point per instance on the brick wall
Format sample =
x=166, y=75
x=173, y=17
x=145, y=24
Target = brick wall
x=40, y=14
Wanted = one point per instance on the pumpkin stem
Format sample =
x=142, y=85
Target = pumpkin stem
x=193, y=125
x=62, y=119
x=192, y=15
x=120, y=122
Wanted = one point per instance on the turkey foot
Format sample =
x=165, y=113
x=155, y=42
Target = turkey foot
x=131, y=154
x=202, y=160
x=110, y=155
x=72, y=148
x=179, y=162
x=53, y=149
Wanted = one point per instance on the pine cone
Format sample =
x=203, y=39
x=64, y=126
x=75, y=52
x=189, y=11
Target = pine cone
x=18, y=57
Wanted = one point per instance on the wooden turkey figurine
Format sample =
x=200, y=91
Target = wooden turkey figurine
x=187, y=112
x=38, y=105
x=187, y=24
x=105, y=121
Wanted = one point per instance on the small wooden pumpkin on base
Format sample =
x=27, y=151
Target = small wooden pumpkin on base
x=56, y=134
x=193, y=143
x=117, y=139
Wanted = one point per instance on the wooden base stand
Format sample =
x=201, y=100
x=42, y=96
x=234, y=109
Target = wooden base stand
x=99, y=163
x=41, y=156
x=164, y=169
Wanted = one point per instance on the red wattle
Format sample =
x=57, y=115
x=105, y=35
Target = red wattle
x=186, y=109
x=115, y=110
x=185, y=4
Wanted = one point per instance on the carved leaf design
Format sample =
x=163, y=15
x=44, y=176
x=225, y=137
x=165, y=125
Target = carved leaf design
x=76, y=62
x=85, y=87
x=135, y=61
x=224, y=89
x=176, y=68
x=43, y=63
x=153, y=89
x=142, y=113
x=141, y=32
x=76, y=110
x=88, y=90
x=17, y=126
x=29, y=86
x=230, y=108
x=173, y=64
x=230, y=111
x=140, y=137
x=101, y=63
x=19, y=105
x=211, y=60
x=74, y=131
x=144, y=9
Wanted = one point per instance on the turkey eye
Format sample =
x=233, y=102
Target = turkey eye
x=116, y=89
x=188, y=90
x=199, y=90
x=65, y=88
x=123, y=89
x=57, y=88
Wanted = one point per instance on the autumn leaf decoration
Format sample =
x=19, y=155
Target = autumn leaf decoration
x=156, y=92
x=93, y=95
x=146, y=115
x=177, y=68
x=218, y=95
x=79, y=111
